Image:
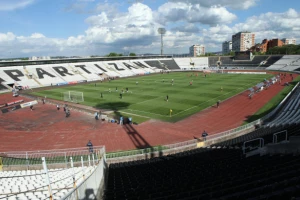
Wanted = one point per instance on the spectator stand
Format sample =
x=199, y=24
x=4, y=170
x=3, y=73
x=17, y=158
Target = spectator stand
x=52, y=174
x=251, y=92
x=259, y=87
x=267, y=83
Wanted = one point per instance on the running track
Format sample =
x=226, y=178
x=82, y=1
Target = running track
x=46, y=128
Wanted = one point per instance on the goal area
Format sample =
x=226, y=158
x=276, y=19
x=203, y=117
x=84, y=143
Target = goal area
x=73, y=96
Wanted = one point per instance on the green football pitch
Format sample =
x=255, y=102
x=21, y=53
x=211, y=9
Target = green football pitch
x=146, y=96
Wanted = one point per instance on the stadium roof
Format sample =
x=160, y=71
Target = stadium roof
x=75, y=60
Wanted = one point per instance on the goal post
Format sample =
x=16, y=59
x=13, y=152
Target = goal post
x=73, y=96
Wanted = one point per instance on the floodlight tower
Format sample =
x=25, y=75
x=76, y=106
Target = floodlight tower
x=161, y=31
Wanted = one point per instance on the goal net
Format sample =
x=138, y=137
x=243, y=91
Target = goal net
x=73, y=96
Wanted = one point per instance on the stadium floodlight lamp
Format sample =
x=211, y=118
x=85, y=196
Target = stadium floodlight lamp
x=161, y=31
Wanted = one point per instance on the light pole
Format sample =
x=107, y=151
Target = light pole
x=161, y=31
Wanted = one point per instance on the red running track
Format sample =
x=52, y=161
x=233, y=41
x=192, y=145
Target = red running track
x=46, y=128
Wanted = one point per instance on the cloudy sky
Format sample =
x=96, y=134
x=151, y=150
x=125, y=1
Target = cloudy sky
x=97, y=27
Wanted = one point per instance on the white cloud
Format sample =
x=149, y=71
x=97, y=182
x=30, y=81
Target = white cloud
x=37, y=35
x=265, y=26
x=113, y=27
x=7, y=37
x=270, y=25
x=9, y=5
x=39, y=45
x=98, y=20
x=135, y=30
x=194, y=13
x=75, y=41
x=235, y=4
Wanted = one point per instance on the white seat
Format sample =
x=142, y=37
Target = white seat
x=21, y=196
x=15, y=189
x=6, y=191
x=30, y=184
x=12, y=198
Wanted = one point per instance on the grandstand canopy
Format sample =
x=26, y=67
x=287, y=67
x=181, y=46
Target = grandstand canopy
x=74, y=60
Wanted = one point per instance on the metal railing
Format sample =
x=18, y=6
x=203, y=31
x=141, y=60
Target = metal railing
x=275, y=137
x=90, y=188
x=235, y=130
x=56, y=156
x=41, y=153
x=261, y=145
x=173, y=148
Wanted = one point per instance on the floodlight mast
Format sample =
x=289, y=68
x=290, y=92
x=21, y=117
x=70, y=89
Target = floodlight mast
x=161, y=31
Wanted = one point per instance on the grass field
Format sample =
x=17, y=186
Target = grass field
x=146, y=99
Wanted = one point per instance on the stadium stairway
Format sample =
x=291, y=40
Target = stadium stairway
x=155, y=64
x=112, y=72
x=4, y=87
x=263, y=62
x=26, y=73
x=32, y=76
x=170, y=64
x=36, y=80
x=163, y=65
x=192, y=63
x=75, y=71
x=104, y=76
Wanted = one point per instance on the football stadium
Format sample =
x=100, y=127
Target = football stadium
x=150, y=128
x=91, y=110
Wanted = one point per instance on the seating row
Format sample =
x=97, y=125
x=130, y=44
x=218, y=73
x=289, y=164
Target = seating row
x=60, y=74
x=32, y=184
x=221, y=173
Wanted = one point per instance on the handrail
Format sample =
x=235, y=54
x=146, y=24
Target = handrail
x=234, y=130
x=49, y=151
x=261, y=143
x=181, y=144
x=275, y=136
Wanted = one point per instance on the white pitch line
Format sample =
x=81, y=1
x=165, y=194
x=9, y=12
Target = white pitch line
x=206, y=101
x=145, y=112
x=135, y=114
x=199, y=104
x=147, y=100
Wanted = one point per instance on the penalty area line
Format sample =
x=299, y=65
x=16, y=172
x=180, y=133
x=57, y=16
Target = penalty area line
x=210, y=100
x=146, y=112
x=147, y=100
x=134, y=114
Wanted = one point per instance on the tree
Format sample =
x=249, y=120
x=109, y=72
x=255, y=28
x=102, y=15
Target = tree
x=286, y=49
x=132, y=54
x=113, y=54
